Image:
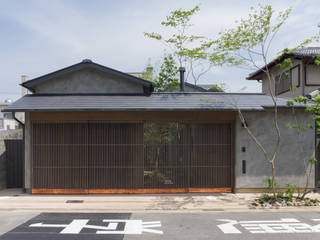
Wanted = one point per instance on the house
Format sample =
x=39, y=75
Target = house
x=304, y=74
x=93, y=129
x=6, y=119
x=188, y=87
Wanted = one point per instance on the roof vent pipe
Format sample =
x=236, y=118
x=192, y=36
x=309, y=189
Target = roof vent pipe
x=24, y=91
x=182, y=70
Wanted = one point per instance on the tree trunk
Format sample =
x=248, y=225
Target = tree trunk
x=273, y=181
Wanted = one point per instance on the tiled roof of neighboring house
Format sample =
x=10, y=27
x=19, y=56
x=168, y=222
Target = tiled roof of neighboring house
x=156, y=101
x=136, y=74
x=197, y=88
x=307, y=52
x=86, y=63
x=299, y=53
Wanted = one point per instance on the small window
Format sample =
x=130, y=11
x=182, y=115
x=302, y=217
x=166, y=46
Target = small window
x=283, y=82
x=287, y=79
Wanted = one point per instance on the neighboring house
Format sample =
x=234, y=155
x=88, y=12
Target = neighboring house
x=92, y=129
x=188, y=87
x=6, y=119
x=304, y=75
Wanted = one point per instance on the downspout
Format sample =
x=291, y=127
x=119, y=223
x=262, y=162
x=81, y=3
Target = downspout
x=23, y=144
x=15, y=118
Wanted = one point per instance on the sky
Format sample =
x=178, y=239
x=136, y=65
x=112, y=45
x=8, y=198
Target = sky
x=41, y=36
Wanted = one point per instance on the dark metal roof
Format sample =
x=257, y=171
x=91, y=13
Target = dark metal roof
x=197, y=88
x=86, y=63
x=156, y=101
x=305, y=52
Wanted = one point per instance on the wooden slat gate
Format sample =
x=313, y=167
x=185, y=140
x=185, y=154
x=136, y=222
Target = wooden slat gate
x=105, y=157
x=14, y=157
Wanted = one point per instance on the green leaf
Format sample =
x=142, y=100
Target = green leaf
x=288, y=125
x=290, y=103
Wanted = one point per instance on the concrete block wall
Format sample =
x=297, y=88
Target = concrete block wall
x=295, y=148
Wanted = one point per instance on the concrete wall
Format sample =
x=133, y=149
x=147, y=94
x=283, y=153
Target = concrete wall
x=294, y=149
x=89, y=81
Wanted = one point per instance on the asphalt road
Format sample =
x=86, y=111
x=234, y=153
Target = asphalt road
x=118, y=226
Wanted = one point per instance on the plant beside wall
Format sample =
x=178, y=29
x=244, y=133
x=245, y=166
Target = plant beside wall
x=292, y=196
x=248, y=44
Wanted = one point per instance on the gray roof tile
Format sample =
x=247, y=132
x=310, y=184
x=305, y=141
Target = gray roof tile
x=307, y=52
x=156, y=101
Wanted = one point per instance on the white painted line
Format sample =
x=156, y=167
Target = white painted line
x=152, y=225
x=212, y=198
x=75, y=226
x=153, y=231
x=48, y=225
x=287, y=220
x=5, y=197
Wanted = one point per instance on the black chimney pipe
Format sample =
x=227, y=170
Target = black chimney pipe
x=182, y=70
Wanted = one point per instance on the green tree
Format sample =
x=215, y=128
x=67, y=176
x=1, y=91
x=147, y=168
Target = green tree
x=248, y=44
x=167, y=80
x=191, y=51
x=149, y=72
x=218, y=87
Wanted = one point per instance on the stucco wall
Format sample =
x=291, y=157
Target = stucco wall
x=294, y=148
x=89, y=81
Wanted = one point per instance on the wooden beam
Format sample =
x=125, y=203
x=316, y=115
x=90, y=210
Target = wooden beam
x=130, y=191
x=136, y=116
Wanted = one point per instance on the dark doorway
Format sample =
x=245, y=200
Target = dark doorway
x=14, y=158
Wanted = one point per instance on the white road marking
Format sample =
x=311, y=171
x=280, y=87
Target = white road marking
x=212, y=198
x=229, y=227
x=284, y=225
x=4, y=197
x=75, y=226
x=130, y=226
